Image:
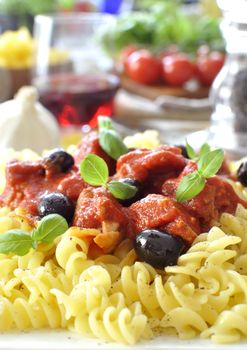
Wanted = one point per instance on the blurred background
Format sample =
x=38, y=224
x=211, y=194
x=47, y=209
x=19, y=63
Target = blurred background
x=147, y=63
x=15, y=13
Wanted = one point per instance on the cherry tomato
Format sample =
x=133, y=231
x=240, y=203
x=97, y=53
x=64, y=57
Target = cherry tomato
x=208, y=66
x=126, y=52
x=177, y=69
x=143, y=67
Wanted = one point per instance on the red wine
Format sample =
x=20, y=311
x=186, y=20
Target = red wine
x=76, y=100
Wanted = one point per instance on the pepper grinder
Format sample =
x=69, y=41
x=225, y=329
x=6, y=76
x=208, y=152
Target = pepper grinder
x=229, y=91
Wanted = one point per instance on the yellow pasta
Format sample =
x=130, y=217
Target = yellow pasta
x=21, y=314
x=116, y=298
x=71, y=255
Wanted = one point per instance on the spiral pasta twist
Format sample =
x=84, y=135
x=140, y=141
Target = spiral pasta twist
x=21, y=314
x=230, y=326
x=136, y=283
x=118, y=323
x=71, y=254
x=96, y=313
x=38, y=282
x=16, y=219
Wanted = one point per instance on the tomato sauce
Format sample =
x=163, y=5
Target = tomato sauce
x=28, y=181
x=96, y=205
x=157, y=211
x=217, y=197
x=159, y=171
x=144, y=165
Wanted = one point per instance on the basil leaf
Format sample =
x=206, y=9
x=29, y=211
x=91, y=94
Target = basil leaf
x=50, y=227
x=190, y=186
x=15, y=241
x=204, y=149
x=112, y=143
x=191, y=152
x=94, y=170
x=121, y=190
x=210, y=163
x=104, y=123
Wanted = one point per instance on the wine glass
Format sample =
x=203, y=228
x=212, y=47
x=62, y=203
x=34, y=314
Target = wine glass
x=72, y=72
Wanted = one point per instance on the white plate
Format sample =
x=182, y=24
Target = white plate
x=64, y=340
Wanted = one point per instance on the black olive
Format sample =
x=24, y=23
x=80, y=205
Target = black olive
x=58, y=160
x=158, y=248
x=183, y=150
x=56, y=203
x=135, y=183
x=242, y=173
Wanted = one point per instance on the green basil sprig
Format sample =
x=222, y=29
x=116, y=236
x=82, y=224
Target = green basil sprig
x=94, y=171
x=121, y=190
x=190, y=151
x=209, y=163
x=205, y=148
x=109, y=140
x=20, y=242
x=49, y=228
x=15, y=241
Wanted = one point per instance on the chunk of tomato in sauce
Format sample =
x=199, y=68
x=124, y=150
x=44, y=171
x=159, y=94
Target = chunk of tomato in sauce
x=142, y=164
x=90, y=144
x=158, y=211
x=96, y=205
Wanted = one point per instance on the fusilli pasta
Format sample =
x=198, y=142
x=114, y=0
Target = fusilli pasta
x=117, y=298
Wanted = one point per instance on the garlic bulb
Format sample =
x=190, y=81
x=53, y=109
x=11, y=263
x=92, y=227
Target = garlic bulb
x=25, y=123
